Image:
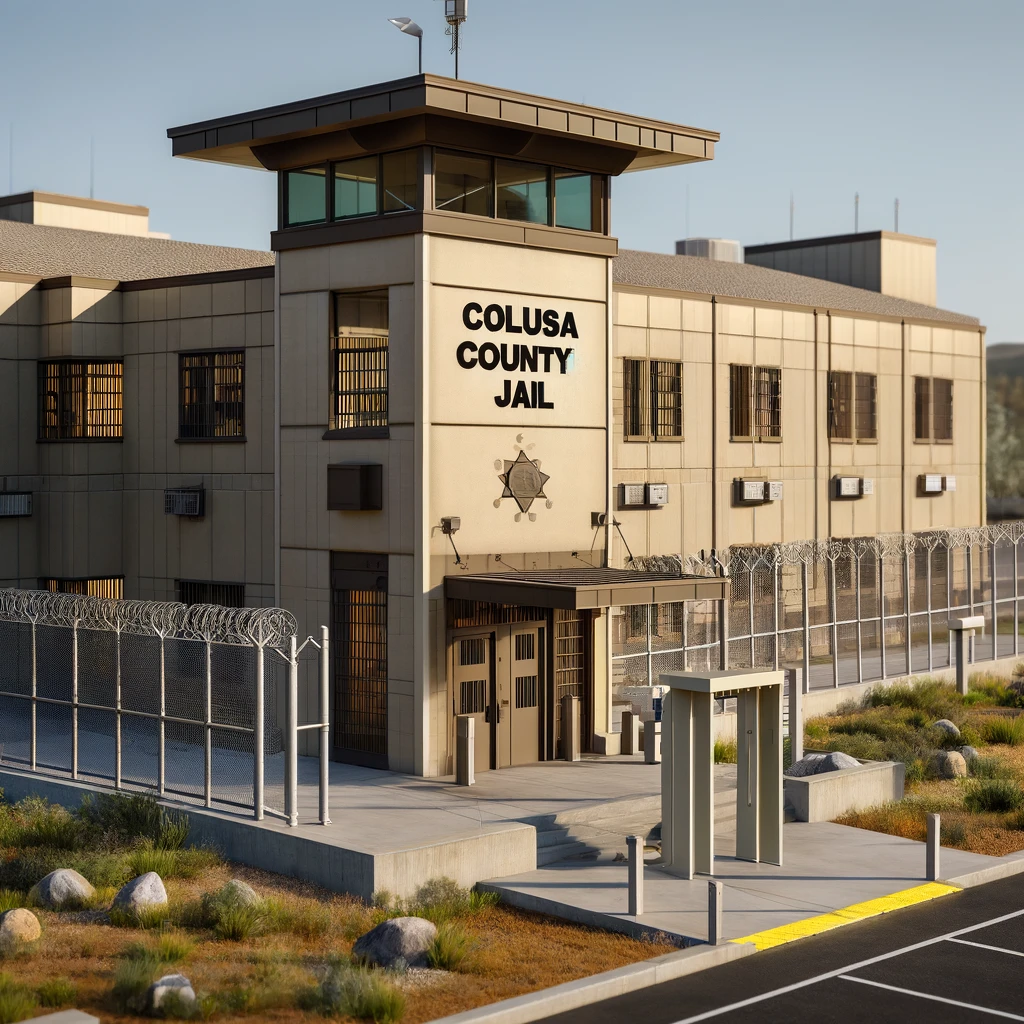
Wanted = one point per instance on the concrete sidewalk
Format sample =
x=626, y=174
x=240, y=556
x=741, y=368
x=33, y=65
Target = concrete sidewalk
x=826, y=867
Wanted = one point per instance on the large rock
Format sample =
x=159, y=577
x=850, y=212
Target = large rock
x=948, y=727
x=142, y=893
x=18, y=926
x=62, y=887
x=239, y=894
x=837, y=761
x=807, y=765
x=407, y=938
x=968, y=753
x=948, y=764
x=177, y=986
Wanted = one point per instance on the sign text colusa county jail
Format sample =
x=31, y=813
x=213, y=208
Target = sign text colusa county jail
x=554, y=355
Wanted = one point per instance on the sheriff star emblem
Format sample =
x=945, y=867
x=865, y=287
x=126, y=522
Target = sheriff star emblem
x=523, y=481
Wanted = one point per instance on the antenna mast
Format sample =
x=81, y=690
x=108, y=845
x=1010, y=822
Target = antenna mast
x=896, y=216
x=856, y=212
x=792, y=209
x=455, y=15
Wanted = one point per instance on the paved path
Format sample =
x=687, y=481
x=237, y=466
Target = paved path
x=958, y=959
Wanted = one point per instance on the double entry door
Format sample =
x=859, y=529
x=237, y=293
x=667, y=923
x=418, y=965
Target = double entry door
x=499, y=680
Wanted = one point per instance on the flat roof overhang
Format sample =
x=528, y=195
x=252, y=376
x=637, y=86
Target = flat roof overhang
x=455, y=112
x=579, y=589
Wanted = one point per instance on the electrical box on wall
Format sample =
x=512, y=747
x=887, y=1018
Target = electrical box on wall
x=949, y=483
x=750, y=492
x=867, y=486
x=657, y=494
x=773, y=490
x=847, y=487
x=632, y=495
x=356, y=487
x=930, y=483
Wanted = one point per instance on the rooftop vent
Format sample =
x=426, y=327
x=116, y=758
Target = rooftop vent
x=724, y=249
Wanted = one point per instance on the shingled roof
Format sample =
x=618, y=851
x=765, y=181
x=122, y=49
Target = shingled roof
x=41, y=251
x=745, y=281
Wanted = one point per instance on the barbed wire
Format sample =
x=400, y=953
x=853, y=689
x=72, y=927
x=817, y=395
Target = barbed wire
x=270, y=627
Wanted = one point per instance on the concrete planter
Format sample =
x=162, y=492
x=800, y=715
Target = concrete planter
x=831, y=794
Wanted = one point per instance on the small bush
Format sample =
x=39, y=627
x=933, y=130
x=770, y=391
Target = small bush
x=355, y=992
x=131, y=983
x=57, y=992
x=16, y=1001
x=441, y=899
x=953, y=832
x=10, y=899
x=147, y=917
x=56, y=827
x=725, y=752
x=308, y=920
x=993, y=795
x=452, y=949
x=1015, y=821
x=237, y=922
x=163, y=862
x=989, y=768
x=171, y=948
x=1004, y=730
x=127, y=817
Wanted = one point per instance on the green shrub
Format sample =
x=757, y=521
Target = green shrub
x=441, y=899
x=231, y=918
x=127, y=817
x=145, y=918
x=170, y=948
x=987, y=767
x=356, y=992
x=993, y=795
x=725, y=752
x=1015, y=821
x=131, y=983
x=309, y=920
x=952, y=832
x=1004, y=730
x=452, y=949
x=16, y=1001
x=163, y=862
x=10, y=899
x=56, y=827
x=57, y=992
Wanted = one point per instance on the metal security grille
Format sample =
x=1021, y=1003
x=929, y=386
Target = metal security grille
x=740, y=393
x=473, y=697
x=667, y=399
x=212, y=395
x=110, y=587
x=526, y=646
x=634, y=400
x=768, y=403
x=840, y=402
x=479, y=613
x=652, y=399
x=922, y=408
x=942, y=415
x=80, y=400
x=473, y=652
x=526, y=691
x=361, y=671
x=570, y=666
x=359, y=390
x=866, y=412
x=228, y=595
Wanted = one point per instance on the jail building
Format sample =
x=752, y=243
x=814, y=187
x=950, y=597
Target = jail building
x=448, y=417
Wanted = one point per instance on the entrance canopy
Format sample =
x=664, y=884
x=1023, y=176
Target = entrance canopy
x=578, y=589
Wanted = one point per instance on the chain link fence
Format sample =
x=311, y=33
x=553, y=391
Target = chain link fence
x=193, y=702
x=844, y=611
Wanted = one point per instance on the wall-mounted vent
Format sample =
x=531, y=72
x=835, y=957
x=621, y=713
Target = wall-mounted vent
x=185, y=501
x=15, y=503
x=355, y=487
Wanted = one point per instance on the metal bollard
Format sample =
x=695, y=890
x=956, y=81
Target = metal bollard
x=465, y=750
x=932, y=855
x=963, y=629
x=715, y=936
x=795, y=680
x=635, y=847
x=630, y=736
x=652, y=742
x=570, y=728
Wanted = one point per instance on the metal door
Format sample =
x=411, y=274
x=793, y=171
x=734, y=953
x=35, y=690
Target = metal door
x=525, y=693
x=473, y=691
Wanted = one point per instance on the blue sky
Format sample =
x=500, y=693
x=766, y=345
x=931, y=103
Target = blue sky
x=909, y=99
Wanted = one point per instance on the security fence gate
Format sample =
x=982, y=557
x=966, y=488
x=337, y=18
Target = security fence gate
x=197, y=702
x=844, y=611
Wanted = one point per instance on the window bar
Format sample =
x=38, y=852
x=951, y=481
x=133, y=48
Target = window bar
x=208, y=731
x=906, y=601
x=835, y=624
x=257, y=781
x=74, y=700
x=881, y=613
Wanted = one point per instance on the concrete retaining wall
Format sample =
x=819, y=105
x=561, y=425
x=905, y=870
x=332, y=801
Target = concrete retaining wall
x=827, y=796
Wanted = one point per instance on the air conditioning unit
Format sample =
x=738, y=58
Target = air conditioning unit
x=773, y=490
x=185, y=501
x=751, y=492
x=632, y=495
x=355, y=487
x=657, y=494
x=15, y=503
x=949, y=483
x=930, y=483
x=853, y=486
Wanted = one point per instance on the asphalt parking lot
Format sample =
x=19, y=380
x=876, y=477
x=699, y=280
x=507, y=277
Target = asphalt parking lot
x=958, y=958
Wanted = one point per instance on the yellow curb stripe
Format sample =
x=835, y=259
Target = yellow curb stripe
x=858, y=912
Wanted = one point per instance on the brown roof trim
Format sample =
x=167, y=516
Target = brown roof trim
x=73, y=281
x=56, y=199
x=9, y=275
x=212, y=277
x=862, y=236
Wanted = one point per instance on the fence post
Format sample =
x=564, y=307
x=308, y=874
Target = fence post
x=74, y=700
x=161, y=753
x=834, y=616
x=117, y=711
x=257, y=739
x=684, y=637
x=1016, y=604
x=860, y=631
x=325, y=726
x=907, y=639
x=949, y=598
x=775, y=614
x=928, y=584
x=291, y=728
x=881, y=613
x=970, y=597
x=208, y=730
x=807, y=623
x=994, y=572
x=35, y=693
x=723, y=635
x=750, y=612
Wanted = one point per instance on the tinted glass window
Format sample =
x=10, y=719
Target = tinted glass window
x=579, y=201
x=463, y=183
x=307, y=196
x=401, y=185
x=355, y=188
x=522, y=191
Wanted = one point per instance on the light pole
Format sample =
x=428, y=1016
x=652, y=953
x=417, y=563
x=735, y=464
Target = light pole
x=409, y=27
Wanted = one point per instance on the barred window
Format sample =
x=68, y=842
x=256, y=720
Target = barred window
x=922, y=408
x=652, y=406
x=755, y=403
x=942, y=409
x=359, y=362
x=866, y=407
x=212, y=396
x=840, y=400
x=111, y=587
x=80, y=401
x=228, y=595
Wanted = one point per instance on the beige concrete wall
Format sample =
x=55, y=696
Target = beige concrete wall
x=83, y=218
x=908, y=268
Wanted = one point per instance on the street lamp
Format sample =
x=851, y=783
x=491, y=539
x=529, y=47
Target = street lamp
x=409, y=27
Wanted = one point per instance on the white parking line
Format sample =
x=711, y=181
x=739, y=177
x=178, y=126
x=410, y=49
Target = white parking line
x=982, y=945
x=933, y=998
x=924, y=944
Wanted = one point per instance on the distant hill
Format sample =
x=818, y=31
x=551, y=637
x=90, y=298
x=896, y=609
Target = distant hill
x=1005, y=469
x=1006, y=358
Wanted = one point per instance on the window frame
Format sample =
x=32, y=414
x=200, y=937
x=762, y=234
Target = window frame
x=83, y=412
x=239, y=438
x=855, y=384
x=759, y=384
x=924, y=387
x=947, y=412
x=377, y=430
x=52, y=584
x=642, y=376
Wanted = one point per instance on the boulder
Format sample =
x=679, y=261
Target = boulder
x=174, y=986
x=807, y=765
x=947, y=727
x=948, y=764
x=239, y=893
x=968, y=753
x=837, y=761
x=62, y=887
x=19, y=926
x=401, y=938
x=141, y=893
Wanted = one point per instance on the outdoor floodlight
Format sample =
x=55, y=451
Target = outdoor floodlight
x=409, y=27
